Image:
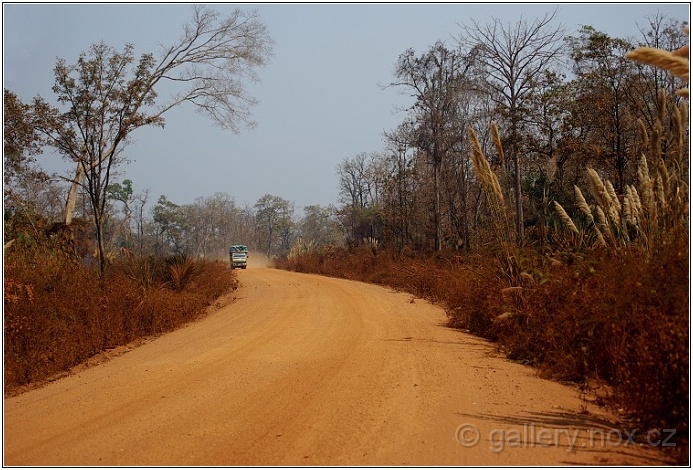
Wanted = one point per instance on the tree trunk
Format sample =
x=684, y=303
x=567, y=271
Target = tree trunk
x=518, y=202
x=463, y=209
x=519, y=219
x=436, y=205
x=72, y=195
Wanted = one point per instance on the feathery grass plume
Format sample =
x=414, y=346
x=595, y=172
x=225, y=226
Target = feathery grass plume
x=600, y=237
x=677, y=121
x=683, y=50
x=598, y=190
x=627, y=211
x=496, y=187
x=646, y=186
x=665, y=177
x=528, y=279
x=602, y=222
x=582, y=204
x=614, y=204
x=681, y=130
x=612, y=195
x=656, y=142
x=565, y=217
x=483, y=169
x=630, y=207
x=510, y=291
x=636, y=200
x=661, y=109
x=659, y=190
x=642, y=132
x=675, y=64
x=495, y=135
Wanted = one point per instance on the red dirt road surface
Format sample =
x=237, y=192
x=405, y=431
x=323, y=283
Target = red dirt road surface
x=307, y=370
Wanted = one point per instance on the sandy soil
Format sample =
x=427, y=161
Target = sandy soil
x=306, y=370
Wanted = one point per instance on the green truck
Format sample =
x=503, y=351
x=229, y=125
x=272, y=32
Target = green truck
x=238, y=256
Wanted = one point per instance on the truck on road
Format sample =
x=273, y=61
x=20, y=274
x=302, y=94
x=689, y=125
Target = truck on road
x=238, y=256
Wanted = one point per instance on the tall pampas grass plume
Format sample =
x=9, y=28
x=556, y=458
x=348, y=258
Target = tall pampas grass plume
x=676, y=62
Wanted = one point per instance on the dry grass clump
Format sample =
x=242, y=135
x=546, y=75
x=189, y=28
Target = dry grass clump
x=649, y=213
x=421, y=275
x=181, y=270
x=492, y=188
x=58, y=313
x=503, y=228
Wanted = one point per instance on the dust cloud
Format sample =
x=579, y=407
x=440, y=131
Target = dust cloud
x=258, y=260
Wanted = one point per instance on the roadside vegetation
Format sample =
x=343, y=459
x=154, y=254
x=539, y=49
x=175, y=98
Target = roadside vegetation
x=58, y=312
x=595, y=291
x=537, y=188
x=612, y=322
x=85, y=268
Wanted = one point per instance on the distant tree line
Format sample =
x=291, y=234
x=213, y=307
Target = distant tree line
x=560, y=103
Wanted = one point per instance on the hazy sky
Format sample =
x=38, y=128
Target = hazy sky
x=320, y=99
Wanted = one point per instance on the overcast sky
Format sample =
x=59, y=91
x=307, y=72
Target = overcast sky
x=320, y=96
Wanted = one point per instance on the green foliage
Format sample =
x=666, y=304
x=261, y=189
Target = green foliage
x=119, y=192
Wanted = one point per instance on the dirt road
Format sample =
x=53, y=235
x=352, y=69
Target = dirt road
x=306, y=370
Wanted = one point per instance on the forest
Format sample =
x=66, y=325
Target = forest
x=537, y=188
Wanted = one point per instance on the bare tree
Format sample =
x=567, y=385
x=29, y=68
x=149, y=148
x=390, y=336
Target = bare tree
x=360, y=186
x=433, y=78
x=107, y=97
x=513, y=56
x=400, y=188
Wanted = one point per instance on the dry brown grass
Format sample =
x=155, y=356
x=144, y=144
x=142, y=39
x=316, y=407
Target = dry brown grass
x=645, y=216
x=58, y=313
x=491, y=185
x=614, y=312
x=584, y=316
